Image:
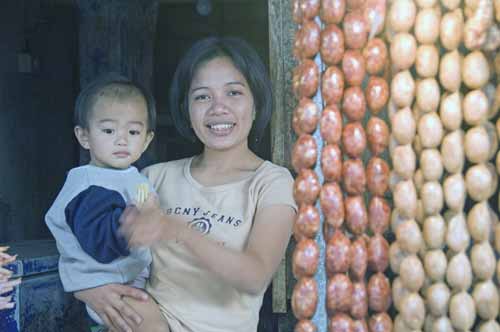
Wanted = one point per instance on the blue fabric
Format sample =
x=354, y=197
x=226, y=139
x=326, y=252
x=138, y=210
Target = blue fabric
x=94, y=217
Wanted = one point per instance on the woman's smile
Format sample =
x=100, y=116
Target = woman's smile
x=221, y=129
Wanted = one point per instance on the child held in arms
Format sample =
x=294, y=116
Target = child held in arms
x=114, y=121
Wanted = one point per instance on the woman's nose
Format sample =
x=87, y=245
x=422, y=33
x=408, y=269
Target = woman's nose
x=219, y=106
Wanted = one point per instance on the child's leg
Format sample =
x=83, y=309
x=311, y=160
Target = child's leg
x=153, y=320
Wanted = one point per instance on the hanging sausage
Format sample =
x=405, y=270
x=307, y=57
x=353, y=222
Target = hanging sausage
x=404, y=252
x=306, y=116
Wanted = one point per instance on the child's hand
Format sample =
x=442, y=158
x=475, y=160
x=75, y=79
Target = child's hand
x=152, y=202
x=142, y=194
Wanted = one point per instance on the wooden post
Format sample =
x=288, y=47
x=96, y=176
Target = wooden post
x=281, y=32
x=117, y=35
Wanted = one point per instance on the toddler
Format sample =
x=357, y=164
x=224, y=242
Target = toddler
x=114, y=121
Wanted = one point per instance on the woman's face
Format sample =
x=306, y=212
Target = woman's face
x=221, y=105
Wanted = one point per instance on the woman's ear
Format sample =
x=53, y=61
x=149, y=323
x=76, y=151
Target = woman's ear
x=82, y=135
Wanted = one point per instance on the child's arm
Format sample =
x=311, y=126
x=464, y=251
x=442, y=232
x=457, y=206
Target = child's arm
x=94, y=217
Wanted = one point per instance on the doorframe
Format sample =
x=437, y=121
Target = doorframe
x=281, y=63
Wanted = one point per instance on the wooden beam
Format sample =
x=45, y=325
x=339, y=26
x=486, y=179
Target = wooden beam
x=281, y=32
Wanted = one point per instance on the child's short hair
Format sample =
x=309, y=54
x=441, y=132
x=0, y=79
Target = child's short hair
x=111, y=85
x=244, y=58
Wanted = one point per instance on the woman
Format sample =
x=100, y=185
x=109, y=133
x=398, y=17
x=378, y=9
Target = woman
x=238, y=208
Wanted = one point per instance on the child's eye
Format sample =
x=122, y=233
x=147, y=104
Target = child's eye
x=108, y=131
x=134, y=132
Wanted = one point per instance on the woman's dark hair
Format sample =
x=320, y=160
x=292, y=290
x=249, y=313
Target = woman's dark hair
x=244, y=58
x=111, y=85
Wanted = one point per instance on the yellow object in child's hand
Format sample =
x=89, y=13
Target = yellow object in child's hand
x=142, y=193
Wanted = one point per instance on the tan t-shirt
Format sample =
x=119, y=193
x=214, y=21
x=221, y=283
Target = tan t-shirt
x=191, y=297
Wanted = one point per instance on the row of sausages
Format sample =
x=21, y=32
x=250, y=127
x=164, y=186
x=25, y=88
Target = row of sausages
x=348, y=52
x=306, y=79
x=442, y=268
x=480, y=144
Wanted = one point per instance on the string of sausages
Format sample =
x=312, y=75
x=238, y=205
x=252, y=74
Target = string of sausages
x=307, y=186
x=352, y=257
x=430, y=168
x=442, y=104
x=438, y=294
x=480, y=307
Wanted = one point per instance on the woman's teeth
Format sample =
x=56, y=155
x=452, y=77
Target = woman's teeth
x=221, y=126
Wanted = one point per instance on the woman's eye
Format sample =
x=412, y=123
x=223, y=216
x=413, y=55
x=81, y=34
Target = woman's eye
x=235, y=93
x=201, y=97
x=134, y=132
x=108, y=131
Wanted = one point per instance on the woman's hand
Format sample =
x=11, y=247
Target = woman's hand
x=107, y=302
x=147, y=224
x=6, y=285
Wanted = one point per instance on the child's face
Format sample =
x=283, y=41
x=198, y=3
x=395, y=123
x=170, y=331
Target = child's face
x=117, y=132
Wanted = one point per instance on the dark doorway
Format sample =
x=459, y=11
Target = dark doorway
x=38, y=85
x=180, y=24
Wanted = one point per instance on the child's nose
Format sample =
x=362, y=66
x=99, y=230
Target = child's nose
x=121, y=138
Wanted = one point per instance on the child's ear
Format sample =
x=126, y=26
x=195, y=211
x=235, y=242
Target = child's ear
x=82, y=135
x=149, y=138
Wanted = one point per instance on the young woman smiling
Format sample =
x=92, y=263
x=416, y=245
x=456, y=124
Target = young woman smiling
x=224, y=217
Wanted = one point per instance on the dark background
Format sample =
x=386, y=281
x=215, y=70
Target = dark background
x=37, y=145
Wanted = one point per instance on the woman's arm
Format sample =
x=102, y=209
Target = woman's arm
x=249, y=270
x=107, y=302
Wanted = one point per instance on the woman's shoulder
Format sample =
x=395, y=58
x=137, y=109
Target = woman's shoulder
x=269, y=167
x=161, y=169
x=273, y=185
x=269, y=172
